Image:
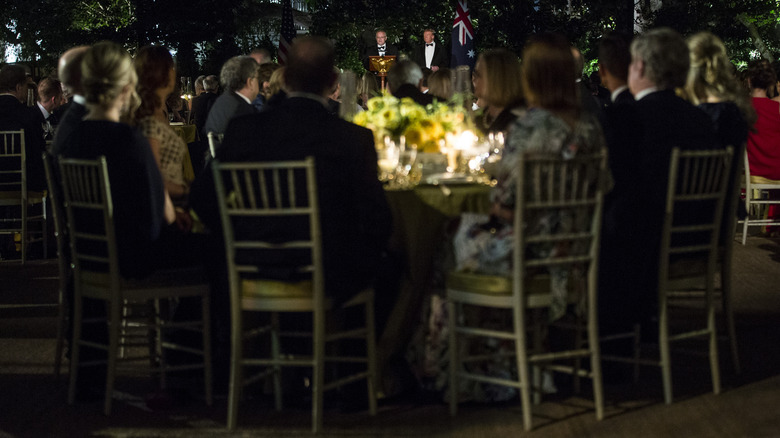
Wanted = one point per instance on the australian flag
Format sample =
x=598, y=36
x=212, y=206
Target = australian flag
x=287, y=32
x=463, y=37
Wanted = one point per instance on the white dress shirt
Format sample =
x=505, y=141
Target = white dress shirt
x=429, y=54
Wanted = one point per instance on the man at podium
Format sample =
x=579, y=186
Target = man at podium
x=382, y=48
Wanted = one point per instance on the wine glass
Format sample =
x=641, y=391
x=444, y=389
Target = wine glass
x=406, y=161
x=388, y=155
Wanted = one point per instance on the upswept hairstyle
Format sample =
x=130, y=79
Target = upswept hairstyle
x=665, y=55
x=152, y=65
x=500, y=70
x=712, y=75
x=548, y=76
x=440, y=84
x=106, y=70
x=761, y=74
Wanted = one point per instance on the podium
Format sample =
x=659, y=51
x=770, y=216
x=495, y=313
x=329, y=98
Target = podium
x=381, y=65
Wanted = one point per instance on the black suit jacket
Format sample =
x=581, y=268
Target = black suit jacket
x=439, y=56
x=227, y=106
x=633, y=213
x=14, y=115
x=201, y=105
x=390, y=50
x=409, y=90
x=355, y=217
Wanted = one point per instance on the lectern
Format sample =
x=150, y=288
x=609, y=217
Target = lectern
x=381, y=65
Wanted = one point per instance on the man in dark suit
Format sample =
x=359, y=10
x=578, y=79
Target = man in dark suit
x=239, y=78
x=14, y=115
x=660, y=121
x=49, y=100
x=404, y=79
x=201, y=104
x=430, y=54
x=382, y=48
x=354, y=213
x=614, y=59
x=69, y=72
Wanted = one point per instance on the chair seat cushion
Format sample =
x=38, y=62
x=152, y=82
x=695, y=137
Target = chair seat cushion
x=494, y=284
x=257, y=288
x=15, y=197
x=755, y=179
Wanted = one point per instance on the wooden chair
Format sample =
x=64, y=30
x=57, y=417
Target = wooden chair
x=63, y=257
x=756, y=198
x=258, y=194
x=14, y=194
x=548, y=185
x=689, y=256
x=94, y=255
x=214, y=141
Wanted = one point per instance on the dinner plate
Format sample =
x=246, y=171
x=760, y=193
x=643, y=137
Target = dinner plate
x=449, y=178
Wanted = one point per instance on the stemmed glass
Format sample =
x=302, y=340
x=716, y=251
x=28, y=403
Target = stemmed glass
x=406, y=162
x=388, y=155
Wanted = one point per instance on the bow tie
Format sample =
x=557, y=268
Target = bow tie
x=428, y=44
x=381, y=47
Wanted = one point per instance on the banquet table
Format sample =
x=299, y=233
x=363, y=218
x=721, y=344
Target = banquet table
x=186, y=133
x=419, y=217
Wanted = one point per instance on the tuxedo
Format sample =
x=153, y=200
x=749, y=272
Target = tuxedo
x=227, y=106
x=439, y=56
x=70, y=119
x=390, y=50
x=14, y=116
x=411, y=91
x=648, y=130
x=354, y=215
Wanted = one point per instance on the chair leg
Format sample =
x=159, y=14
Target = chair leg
x=60, y=331
x=663, y=345
x=318, y=373
x=207, y=369
x=714, y=364
x=452, y=309
x=371, y=351
x=595, y=357
x=521, y=357
x=728, y=310
x=637, y=350
x=276, y=353
x=236, y=359
x=113, y=350
x=75, y=347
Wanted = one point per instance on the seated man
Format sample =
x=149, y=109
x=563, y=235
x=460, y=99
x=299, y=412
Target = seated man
x=49, y=99
x=355, y=217
x=239, y=78
x=404, y=80
x=660, y=121
x=14, y=116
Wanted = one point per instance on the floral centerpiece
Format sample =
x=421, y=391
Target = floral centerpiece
x=425, y=127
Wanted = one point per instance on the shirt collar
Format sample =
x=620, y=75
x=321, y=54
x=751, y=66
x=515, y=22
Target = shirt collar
x=79, y=99
x=617, y=91
x=645, y=92
x=46, y=114
x=246, y=99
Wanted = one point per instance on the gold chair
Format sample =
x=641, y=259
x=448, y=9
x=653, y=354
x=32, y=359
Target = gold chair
x=754, y=204
x=94, y=255
x=570, y=189
x=689, y=257
x=251, y=196
x=14, y=194
x=62, y=257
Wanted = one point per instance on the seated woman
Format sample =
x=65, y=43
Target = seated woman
x=553, y=123
x=763, y=145
x=496, y=80
x=156, y=80
x=142, y=208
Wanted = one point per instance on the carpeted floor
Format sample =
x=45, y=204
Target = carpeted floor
x=32, y=400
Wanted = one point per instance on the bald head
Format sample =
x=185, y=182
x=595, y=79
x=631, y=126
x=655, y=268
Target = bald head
x=69, y=68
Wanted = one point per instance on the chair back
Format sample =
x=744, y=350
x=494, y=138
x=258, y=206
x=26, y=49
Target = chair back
x=270, y=221
x=557, y=219
x=13, y=163
x=90, y=218
x=214, y=141
x=695, y=199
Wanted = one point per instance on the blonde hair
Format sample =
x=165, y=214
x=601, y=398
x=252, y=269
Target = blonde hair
x=106, y=70
x=712, y=75
x=276, y=82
